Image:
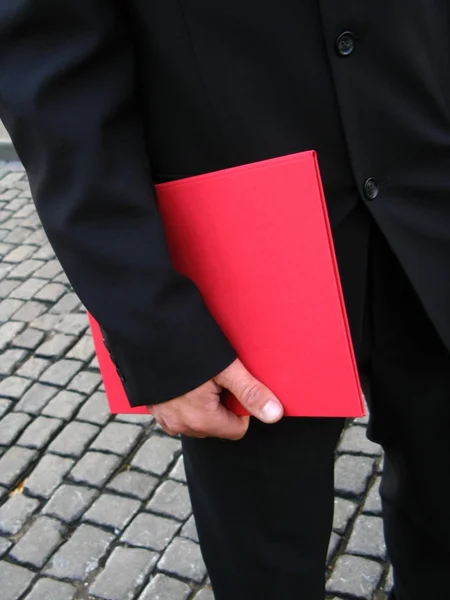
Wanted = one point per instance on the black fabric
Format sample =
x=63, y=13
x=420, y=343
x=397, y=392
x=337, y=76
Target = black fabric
x=409, y=371
x=104, y=98
x=263, y=505
x=263, y=508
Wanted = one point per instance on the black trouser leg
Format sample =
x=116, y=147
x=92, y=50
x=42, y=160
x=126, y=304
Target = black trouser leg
x=409, y=371
x=263, y=508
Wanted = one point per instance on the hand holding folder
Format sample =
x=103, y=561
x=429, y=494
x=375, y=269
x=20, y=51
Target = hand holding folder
x=256, y=241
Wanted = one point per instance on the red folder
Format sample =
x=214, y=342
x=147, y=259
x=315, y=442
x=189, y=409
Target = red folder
x=256, y=241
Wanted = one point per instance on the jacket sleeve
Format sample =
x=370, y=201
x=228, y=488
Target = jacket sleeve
x=68, y=100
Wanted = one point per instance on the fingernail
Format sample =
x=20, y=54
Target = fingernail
x=271, y=410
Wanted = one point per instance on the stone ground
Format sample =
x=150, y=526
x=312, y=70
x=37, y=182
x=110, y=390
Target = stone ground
x=94, y=506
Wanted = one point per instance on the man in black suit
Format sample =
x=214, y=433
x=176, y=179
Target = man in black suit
x=105, y=98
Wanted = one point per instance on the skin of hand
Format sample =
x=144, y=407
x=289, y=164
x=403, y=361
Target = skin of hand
x=200, y=412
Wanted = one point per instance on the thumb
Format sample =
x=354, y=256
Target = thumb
x=251, y=393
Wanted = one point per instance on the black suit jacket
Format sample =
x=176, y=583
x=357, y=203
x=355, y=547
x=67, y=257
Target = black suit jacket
x=103, y=98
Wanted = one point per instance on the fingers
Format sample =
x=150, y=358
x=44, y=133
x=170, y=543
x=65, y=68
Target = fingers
x=251, y=393
x=178, y=419
x=200, y=413
x=227, y=426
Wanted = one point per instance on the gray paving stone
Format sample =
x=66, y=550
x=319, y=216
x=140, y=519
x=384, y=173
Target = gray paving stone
x=355, y=441
x=49, y=589
x=15, y=512
x=95, y=468
x=66, y=304
x=30, y=338
x=5, y=405
x=83, y=349
x=14, y=463
x=27, y=289
x=356, y=576
x=85, y=382
x=183, y=558
x=45, y=322
x=12, y=178
x=32, y=221
x=52, y=292
x=9, y=194
x=14, y=387
x=49, y=270
x=204, y=595
x=55, y=346
x=69, y=502
x=47, y=475
x=5, y=545
x=11, y=426
x=45, y=252
x=36, y=398
x=20, y=253
x=344, y=510
x=156, y=454
x=7, y=285
x=15, y=580
x=389, y=583
x=133, y=564
x=5, y=269
x=367, y=538
x=15, y=205
x=74, y=439
x=162, y=587
x=172, y=499
x=110, y=510
x=372, y=505
x=150, y=531
x=8, y=332
x=61, y=372
x=178, y=471
x=118, y=438
x=17, y=235
x=190, y=529
x=29, y=311
x=8, y=307
x=134, y=484
x=39, y=432
x=94, y=364
x=95, y=410
x=33, y=368
x=352, y=474
x=5, y=249
x=144, y=420
x=62, y=278
x=25, y=268
x=80, y=555
x=73, y=324
x=10, y=359
x=64, y=405
x=333, y=545
x=39, y=542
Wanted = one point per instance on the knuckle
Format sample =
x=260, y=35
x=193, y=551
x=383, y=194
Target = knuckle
x=170, y=426
x=198, y=426
x=171, y=432
x=251, y=394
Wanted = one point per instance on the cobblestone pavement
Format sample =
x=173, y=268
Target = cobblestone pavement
x=94, y=506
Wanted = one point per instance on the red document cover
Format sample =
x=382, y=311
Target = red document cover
x=256, y=241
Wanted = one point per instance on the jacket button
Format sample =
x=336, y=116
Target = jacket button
x=371, y=189
x=345, y=44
